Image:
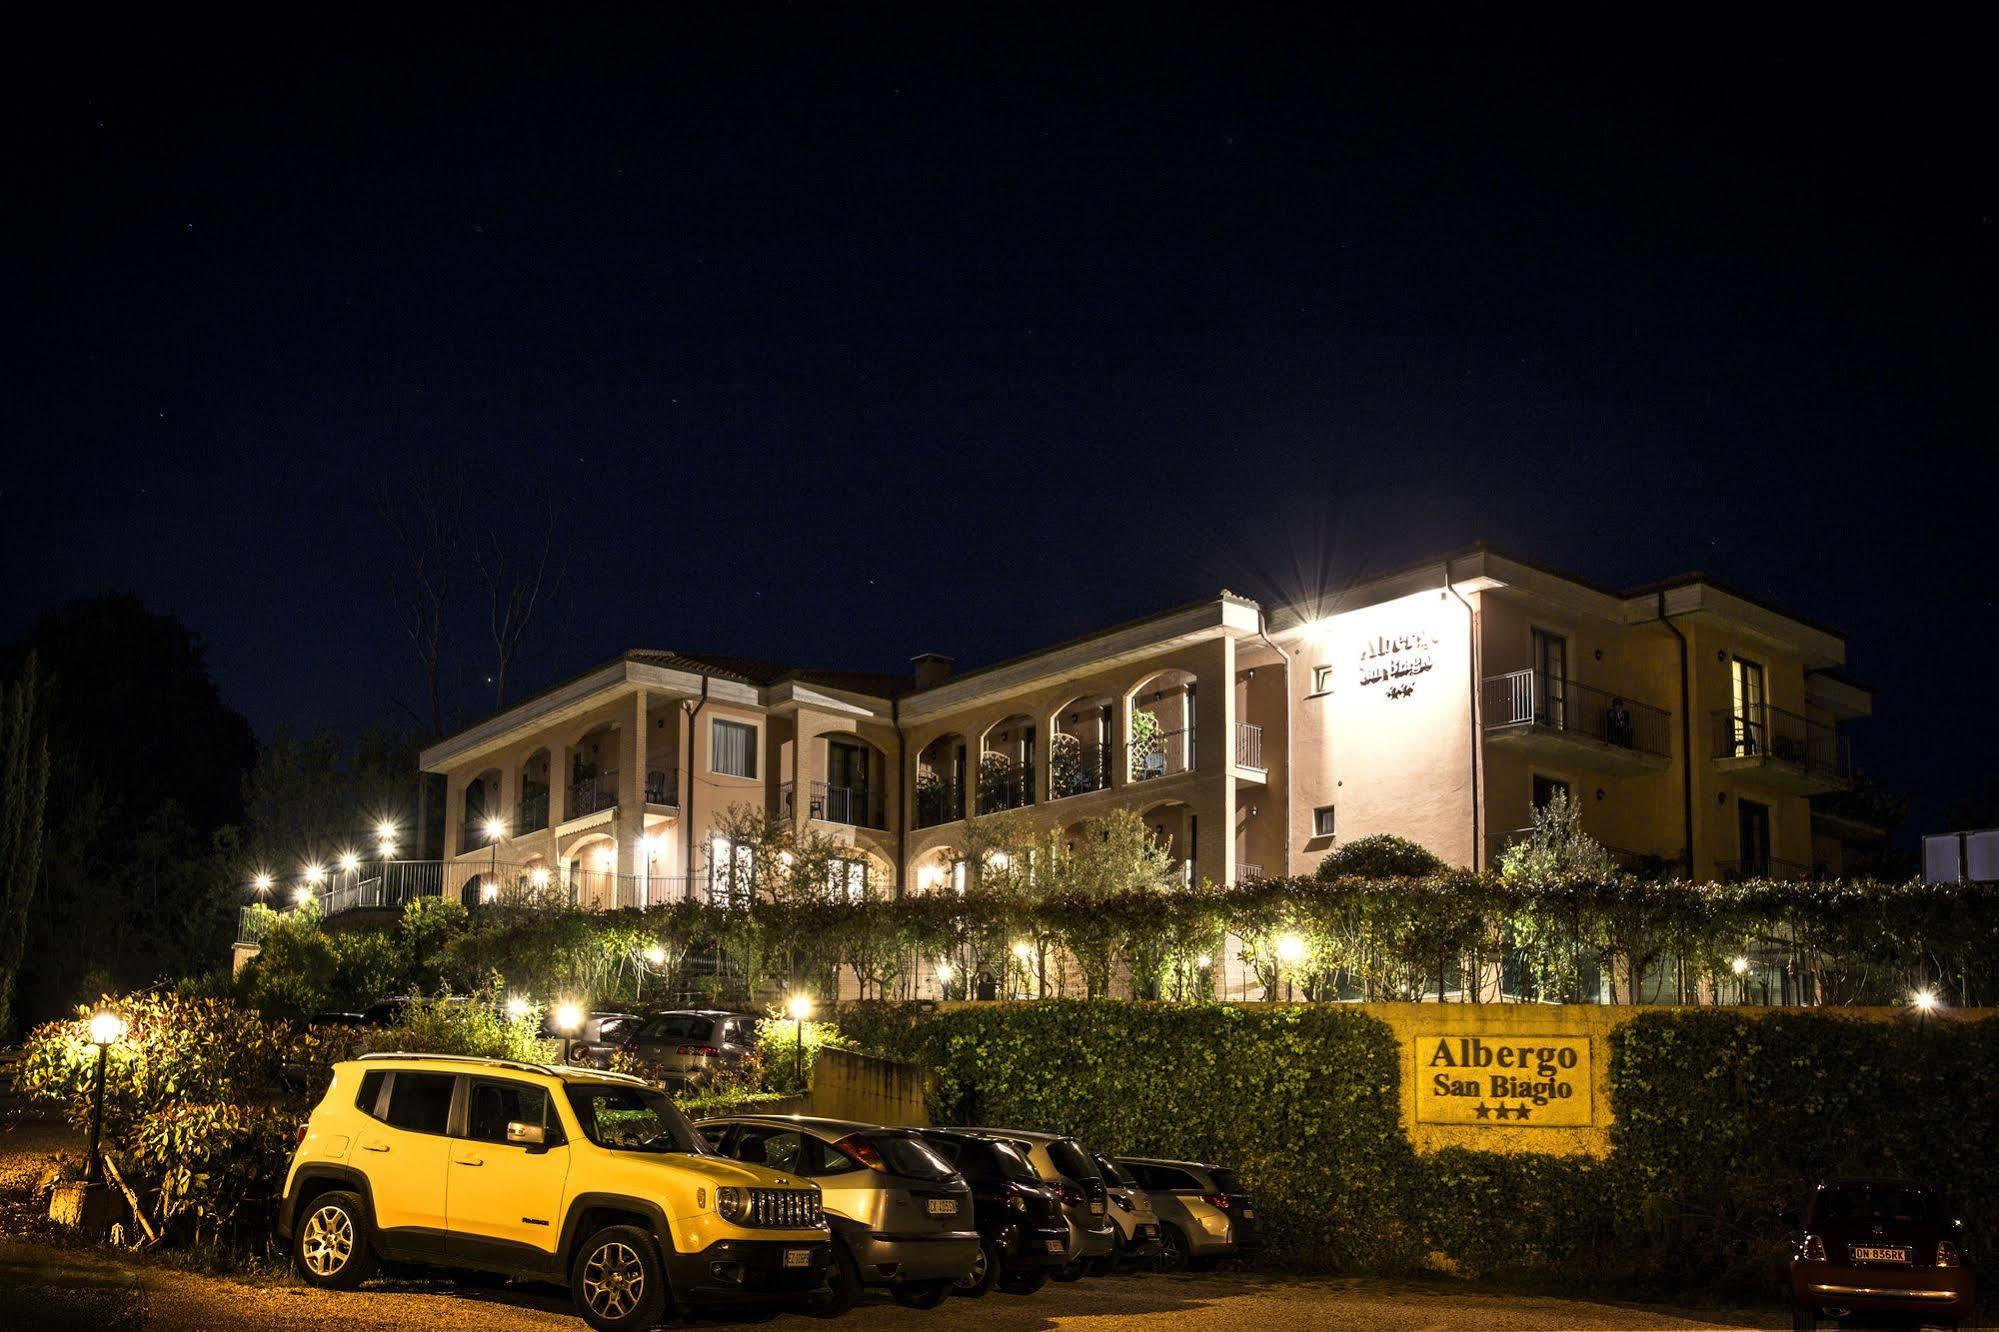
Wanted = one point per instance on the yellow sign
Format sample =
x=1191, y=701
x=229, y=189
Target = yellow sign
x=1523, y=1081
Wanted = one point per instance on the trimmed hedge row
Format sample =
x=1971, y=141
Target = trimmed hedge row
x=1723, y=1121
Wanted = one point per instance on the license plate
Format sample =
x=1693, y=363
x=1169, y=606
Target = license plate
x=1863, y=1253
x=1054, y=1246
x=798, y=1257
x=1096, y=1209
x=943, y=1206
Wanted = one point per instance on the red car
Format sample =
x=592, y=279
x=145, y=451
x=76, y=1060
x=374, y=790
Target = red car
x=1882, y=1250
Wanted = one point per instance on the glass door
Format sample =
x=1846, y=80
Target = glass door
x=1754, y=825
x=1551, y=672
x=1748, y=703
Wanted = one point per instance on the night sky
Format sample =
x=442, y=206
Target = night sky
x=845, y=339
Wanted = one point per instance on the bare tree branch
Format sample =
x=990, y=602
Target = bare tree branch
x=424, y=519
x=515, y=589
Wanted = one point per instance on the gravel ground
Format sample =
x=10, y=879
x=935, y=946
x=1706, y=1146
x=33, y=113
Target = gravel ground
x=49, y=1281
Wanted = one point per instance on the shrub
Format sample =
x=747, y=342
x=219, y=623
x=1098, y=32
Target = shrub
x=778, y=1039
x=463, y=1027
x=1382, y=856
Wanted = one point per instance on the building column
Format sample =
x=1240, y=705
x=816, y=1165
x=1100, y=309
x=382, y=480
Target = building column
x=454, y=814
x=631, y=816
x=510, y=792
x=1214, y=800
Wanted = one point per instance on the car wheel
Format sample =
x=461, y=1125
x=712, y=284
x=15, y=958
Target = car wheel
x=1069, y=1271
x=1172, y=1248
x=920, y=1294
x=843, y=1285
x=330, y=1247
x=618, y=1281
x=1022, y=1283
x=979, y=1278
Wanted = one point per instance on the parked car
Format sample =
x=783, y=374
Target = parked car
x=694, y=1043
x=1131, y=1212
x=1878, y=1249
x=900, y=1214
x=591, y=1180
x=1065, y=1167
x=1204, y=1215
x=591, y=1045
x=1022, y=1233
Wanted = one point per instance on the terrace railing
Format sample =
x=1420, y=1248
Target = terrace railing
x=593, y=794
x=939, y=802
x=1531, y=698
x=532, y=816
x=1248, y=745
x=1766, y=732
x=1076, y=769
x=1162, y=755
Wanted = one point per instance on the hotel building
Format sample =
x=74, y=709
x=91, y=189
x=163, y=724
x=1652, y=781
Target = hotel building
x=1441, y=702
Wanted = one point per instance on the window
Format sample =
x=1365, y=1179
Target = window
x=369, y=1099
x=960, y=876
x=670, y=1027
x=420, y=1102
x=1322, y=679
x=1551, y=679
x=733, y=748
x=1322, y=821
x=778, y=1149
x=1748, y=701
x=1071, y=1160
x=632, y=1119
x=495, y=1105
x=1753, y=832
x=1547, y=788
x=1170, y=1179
x=847, y=880
x=731, y=871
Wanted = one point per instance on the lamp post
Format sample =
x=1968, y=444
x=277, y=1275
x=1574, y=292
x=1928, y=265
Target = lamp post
x=568, y=1017
x=800, y=1007
x=106, y=1028
x=496, y=828
x=1290, y=952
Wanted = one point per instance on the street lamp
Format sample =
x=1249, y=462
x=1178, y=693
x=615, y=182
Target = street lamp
x=106, y=1030
x=1925, y=1000
x=568, y=1018
x=1290, y=952
x=518, y=1006
x=945, y=971
x=262, y=883
x=800, y=1008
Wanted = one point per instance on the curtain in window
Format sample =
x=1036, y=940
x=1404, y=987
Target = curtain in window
x=735, y=748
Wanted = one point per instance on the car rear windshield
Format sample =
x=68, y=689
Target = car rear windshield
x=1115, y=1174
x=910, y=1156
x=1071, y=1160
x=1013, y=1165
x=678, y=1027
x=1873, y=1202
x=632, y=1119
x=1225, y=1181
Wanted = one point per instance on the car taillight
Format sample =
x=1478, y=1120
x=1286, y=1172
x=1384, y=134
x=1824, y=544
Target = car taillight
x=1813, y=1249
x=1946, y=1254
x=700, y=1050
x=1219, y=1201
x=1069, y=1193
x=301, y=1143
x=863, y=1151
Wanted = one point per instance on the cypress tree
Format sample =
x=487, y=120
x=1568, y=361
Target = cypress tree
x=24, y=789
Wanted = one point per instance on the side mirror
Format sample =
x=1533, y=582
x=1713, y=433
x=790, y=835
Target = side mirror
x=531, y=1136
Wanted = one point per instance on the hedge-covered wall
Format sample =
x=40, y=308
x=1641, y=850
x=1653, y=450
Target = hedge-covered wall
x=1723, y=1120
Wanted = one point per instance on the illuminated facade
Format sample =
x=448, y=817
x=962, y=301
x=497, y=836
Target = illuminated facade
x=1691, y=724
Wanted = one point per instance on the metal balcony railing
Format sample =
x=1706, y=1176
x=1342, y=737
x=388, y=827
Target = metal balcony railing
x=1004, y=784
x=1163, y=755
x=1077, y=767
x=1766, y=732
x=1244, y=871
x=592, y=794
x=854, y=805
x=1248, y=745
x=1531, y=698
x=532, y=816
x=939, y=802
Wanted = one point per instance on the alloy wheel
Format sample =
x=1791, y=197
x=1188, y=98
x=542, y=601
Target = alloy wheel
x=328, y=1241
x=614, y=1280
x=976, y=1277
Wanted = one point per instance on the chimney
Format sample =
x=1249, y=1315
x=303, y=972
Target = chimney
x=932, y=669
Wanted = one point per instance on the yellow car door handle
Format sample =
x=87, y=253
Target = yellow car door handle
x=468, y=1160
x=373, y=1147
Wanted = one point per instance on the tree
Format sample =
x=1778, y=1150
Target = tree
x=1556, y=847
x=424, y=519
x=24, y=788
x=312, y=797
x=1382, y=856
x=516, y=586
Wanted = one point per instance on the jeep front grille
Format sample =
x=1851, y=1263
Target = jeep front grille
x=784, y=1209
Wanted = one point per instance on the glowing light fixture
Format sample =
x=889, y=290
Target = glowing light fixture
x=1290, y=949
x=315, y=873
x=799, y=1006
x=568, y=1018
x=302, y=895
x=106, y=1028
x=538, y=876
x=262, y=883
x=518, y=1006
x=656, y=956
x=349, y=862
x=945, y=971
x=385, y=831
x=1204, y=962
x=1023, y=950
x=1925, y=1000
x=488, y=889
x=496, y=828
x=1739, y=965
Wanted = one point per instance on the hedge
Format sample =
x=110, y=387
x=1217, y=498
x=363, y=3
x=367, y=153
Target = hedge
x=1723, y=1120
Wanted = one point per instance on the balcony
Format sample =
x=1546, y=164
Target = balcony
x=532, y=815
x=1245, y=872
x=663, y=788
x=1077, y=767
x=1163, y=754
x=938, y=802
x=1249, y=752
x=592, y=795
x=1563, y=721
x=1781, y=750
x=855, y=806
x=1004, y=784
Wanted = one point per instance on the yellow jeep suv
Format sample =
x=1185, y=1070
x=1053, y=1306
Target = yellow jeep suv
x=558, y=1174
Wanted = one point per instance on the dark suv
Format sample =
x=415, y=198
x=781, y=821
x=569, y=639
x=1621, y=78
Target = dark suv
x=1021, y=1230
x=1066, y=1168
x=1879, y=1250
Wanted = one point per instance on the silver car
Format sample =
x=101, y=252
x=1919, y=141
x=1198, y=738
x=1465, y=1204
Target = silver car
x=1065, y=1167
x=1204, y=1214
x=694, y=1043
x=1131, y=1212
x=901, y=1216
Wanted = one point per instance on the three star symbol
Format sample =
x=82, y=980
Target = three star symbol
x=1502, y=1111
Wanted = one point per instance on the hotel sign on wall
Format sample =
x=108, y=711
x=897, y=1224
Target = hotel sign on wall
x=1395, y=660
x=1529, y=1082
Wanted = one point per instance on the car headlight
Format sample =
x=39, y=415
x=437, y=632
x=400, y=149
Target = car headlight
x=733, y=1204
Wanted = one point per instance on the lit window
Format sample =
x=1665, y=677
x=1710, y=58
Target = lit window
x=731, y=871
x=960, y=876
x=847, y=881
x=1322, y=821
x=1322, y=679
x=733, y=749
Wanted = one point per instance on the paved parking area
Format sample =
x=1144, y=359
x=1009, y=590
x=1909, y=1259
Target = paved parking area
x=69, y=1288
